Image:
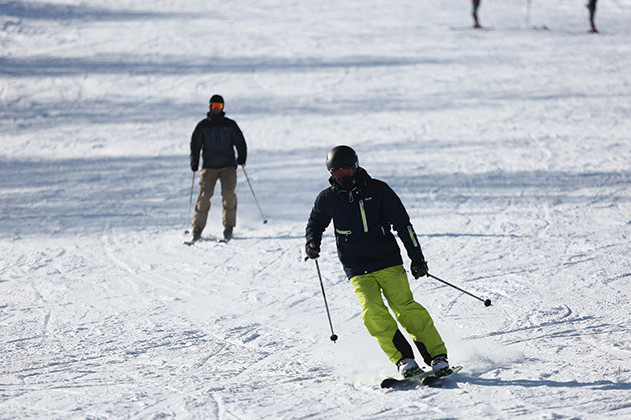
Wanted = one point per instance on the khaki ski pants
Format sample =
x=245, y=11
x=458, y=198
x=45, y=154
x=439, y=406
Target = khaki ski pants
x=207, y=180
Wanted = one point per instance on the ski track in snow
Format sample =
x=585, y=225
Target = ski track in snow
x=509, y=147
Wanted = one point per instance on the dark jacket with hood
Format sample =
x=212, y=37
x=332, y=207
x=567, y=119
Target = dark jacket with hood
x=363, y=218
x=217, y=136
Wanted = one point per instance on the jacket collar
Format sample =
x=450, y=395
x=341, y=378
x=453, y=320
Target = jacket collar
x=215, y=117
x=362, y=180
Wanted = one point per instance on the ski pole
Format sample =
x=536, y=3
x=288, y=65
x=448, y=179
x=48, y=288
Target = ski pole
x=254, y=195
x=326, y=305
x=190, y=202
x=487, y=302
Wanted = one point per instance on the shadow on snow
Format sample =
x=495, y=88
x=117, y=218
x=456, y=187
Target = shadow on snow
x=49, y=66
x=50, y=11
x=137, y=193
x=535, y=383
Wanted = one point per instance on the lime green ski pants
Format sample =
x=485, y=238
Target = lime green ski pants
x=413, y=317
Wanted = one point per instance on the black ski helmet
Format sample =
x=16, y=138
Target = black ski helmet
x=216, y=99
x=341, y=157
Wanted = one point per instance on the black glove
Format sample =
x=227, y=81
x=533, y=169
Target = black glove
x=418, y=268
x=194, y=166
x=312, y=249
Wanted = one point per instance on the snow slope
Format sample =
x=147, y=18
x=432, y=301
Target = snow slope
x=509, y=146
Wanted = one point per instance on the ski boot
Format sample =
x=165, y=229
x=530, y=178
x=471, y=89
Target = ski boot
x=408, y=368
x=440, y=365
x=227, y=233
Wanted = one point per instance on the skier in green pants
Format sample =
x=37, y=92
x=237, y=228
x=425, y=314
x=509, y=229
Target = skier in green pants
x=363, y=211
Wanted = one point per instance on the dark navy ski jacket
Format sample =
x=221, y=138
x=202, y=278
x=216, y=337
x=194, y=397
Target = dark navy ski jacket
x=217, y=137
x=363, y=218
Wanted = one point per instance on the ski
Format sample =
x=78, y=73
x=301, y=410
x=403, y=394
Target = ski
x=405, y=382
x=213, y=239
x=433, y=380
x=424, y=378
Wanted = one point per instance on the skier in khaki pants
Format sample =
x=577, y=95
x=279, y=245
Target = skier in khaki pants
x=217, y=137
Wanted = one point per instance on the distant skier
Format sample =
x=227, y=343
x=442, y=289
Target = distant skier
x=363, y=210
x=475, y=5
x=591, y=6
x=217, y=137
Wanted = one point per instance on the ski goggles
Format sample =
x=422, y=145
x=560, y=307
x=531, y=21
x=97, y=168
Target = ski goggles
x=216, y=106
x=341, y=172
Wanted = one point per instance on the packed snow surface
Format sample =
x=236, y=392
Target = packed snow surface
x=509, y=146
